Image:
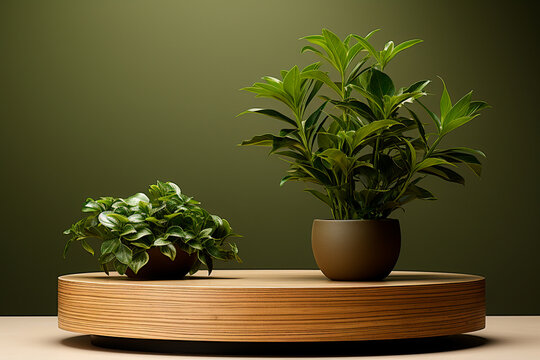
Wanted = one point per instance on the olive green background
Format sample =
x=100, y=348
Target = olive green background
x=105, y=97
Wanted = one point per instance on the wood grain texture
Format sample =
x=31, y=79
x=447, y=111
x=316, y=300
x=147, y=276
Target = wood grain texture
x=272, y=305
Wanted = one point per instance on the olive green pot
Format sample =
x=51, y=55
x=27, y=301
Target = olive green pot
x=356, y=250
x=160, y=267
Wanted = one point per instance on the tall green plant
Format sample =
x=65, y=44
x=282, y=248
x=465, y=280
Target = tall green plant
x=365, y=147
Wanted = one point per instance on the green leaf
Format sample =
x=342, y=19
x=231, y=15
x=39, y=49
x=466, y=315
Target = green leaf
x=207, y=261
x=377, y=83
x=109, y=221
x=260, y=140
x=110, y=246
x=406, y=44
x=314, y=117
x=411, y=152
x=169, y=251
x=287, y=178
x=195, y=244
x=374, y=101
x=141, y=245
x=446, y=103
x=465, y=150
x=371, y=128
x=357, y=107
x=291, y=83
x=357, y=69
x=319, y=195
x=463, y=155
x=366, y=45
x=205, y=232
x=120, y=267
x=67, y=246
x=139, y=234
x=120, y=218
x=128, y=229
x=337, y=48
x=271, y=113
x=434, y=117
x=419, y=125
x=123, y=254
x=417, y=86
x=415, y=192
x=444, y=173
x=176, y=231
x=87, y=247
x=154, y=220
x=351, y=54
x=432, y=161
x=327, y=140
x=291, y=154
x=460, y=109
x=138, y=218
x=134, y=200
x=476, y=106
x=337, y=158
x=216, y=252
x=455, y=123
x=315, y=87
x=321, y=76
x=279, y=142
x=161, y=241
x=399, y=48
x=91, y=206
x=139, y=260
x=106, y=258
x=312, y=49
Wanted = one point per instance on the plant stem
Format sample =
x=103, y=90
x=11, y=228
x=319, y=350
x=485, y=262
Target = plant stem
x=303, y=136
x=376, y=161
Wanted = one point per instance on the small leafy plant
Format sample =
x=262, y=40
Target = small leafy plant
x=366, y=147
x=129, y=227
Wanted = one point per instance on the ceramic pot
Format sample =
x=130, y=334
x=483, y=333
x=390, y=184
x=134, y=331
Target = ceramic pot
x=356, y=250
x=160, y=266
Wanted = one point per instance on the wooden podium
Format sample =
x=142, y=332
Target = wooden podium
x=272, y=306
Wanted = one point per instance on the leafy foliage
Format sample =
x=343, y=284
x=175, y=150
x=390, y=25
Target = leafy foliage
x=360, y=147
x=166, y=219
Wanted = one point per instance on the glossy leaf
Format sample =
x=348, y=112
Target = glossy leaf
x=123, y=254
x=445, y=174
x=110, y=246
x=319, y=195
x=120, y=267
x=168, y=250
x=271, y=113
x=323, y=77
x=139, y=234
x=139, y=260
x=109, y=221
x=87, y=247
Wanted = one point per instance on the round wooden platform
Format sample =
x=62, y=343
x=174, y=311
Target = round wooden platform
x=272, y=306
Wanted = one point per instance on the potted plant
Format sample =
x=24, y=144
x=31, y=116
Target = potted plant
x=365, y=147
x=164, y=235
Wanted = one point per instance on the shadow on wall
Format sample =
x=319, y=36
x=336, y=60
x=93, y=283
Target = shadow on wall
x=353, y=348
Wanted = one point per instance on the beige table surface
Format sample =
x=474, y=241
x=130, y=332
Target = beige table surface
x=505, y=337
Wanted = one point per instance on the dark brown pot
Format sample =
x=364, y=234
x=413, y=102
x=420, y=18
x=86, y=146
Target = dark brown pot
x=356, y=249
x=160, y=266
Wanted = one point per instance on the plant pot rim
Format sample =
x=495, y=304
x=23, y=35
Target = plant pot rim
x=357, y=220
